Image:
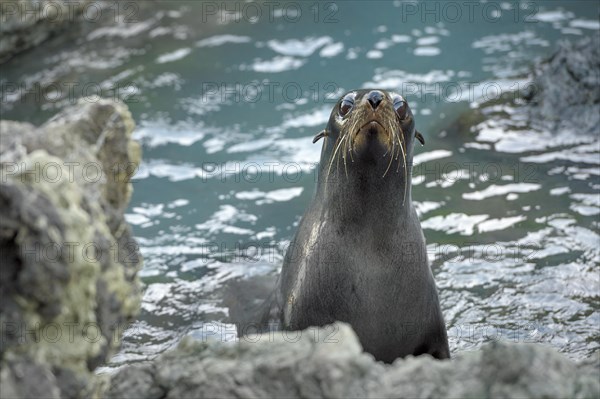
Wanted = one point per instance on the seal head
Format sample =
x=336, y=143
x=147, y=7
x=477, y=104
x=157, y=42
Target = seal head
x=369, y=127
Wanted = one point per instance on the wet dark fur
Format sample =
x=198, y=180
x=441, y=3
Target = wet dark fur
x=359, y=254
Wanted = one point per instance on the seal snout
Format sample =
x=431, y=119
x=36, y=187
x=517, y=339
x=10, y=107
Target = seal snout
x=374, y=98
x=372, y=128
x=371, y=139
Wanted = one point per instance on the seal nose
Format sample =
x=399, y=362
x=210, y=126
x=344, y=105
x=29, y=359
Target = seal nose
x=375, y=97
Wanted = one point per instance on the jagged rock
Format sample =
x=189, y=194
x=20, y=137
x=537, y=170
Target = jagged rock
x=566, y=89
x=329, y=363
x=69, y=262
x=27, y=23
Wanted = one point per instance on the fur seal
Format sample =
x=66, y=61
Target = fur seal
x=359, y=254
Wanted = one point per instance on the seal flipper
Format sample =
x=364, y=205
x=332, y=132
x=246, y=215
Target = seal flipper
x=253, y=304
x=420, y=137
x=320, y=135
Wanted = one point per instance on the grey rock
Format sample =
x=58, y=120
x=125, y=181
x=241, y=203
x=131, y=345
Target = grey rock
x=566, y=89
x=320, y=364
x=69, y=262
x=25, y=378
x=27, y=23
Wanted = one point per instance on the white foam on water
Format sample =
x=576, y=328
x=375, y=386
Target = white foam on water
x=454, y=223
x=223, y=220
x=277, y=64
x=401, y=38
x=250, y=146
x=331, y=50
x=423, y=207
x=395, y=78
x=174, y=55
x=427, y=51
x=261, y=197
x=495, y=190
x=560, y=191
x=299, y=48
x=552, y=16
x=122, y=29
x=374, y=54
x=219, y=40
x=317, y=117
x=499, y=224
x=430, y=156
x=585, y=24
x=428, y=40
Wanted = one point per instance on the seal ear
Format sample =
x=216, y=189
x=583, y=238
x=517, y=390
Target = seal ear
x=320, y=135
x=420, y=137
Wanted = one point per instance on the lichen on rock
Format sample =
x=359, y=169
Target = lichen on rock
x=69, y=271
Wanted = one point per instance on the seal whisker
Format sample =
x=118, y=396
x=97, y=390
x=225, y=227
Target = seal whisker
x=394, y=137
x=391, y=155
x=351, y=149
x=345, y=165
x=337, y=160
x=405, y=172
x=334, y=156
x=391, y=140
x=345, y=154
x=331, y=163
x=401, y=149
x=351, y=142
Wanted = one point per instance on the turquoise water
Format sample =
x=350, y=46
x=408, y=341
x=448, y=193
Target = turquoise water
x=227, y=103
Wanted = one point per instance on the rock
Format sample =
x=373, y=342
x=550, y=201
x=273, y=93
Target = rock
x=329, y=363
x=559, y=106
x=566, y=89
x=27, y=23
x=69, y=262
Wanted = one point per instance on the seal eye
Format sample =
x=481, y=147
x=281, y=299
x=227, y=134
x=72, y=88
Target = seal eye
x=401, y=107
x=347, y=104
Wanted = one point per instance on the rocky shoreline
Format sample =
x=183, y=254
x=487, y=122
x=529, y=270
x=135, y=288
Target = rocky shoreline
x=329, y=363
x=28, y=23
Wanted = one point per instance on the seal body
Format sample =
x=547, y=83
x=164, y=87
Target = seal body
x=359, y=254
